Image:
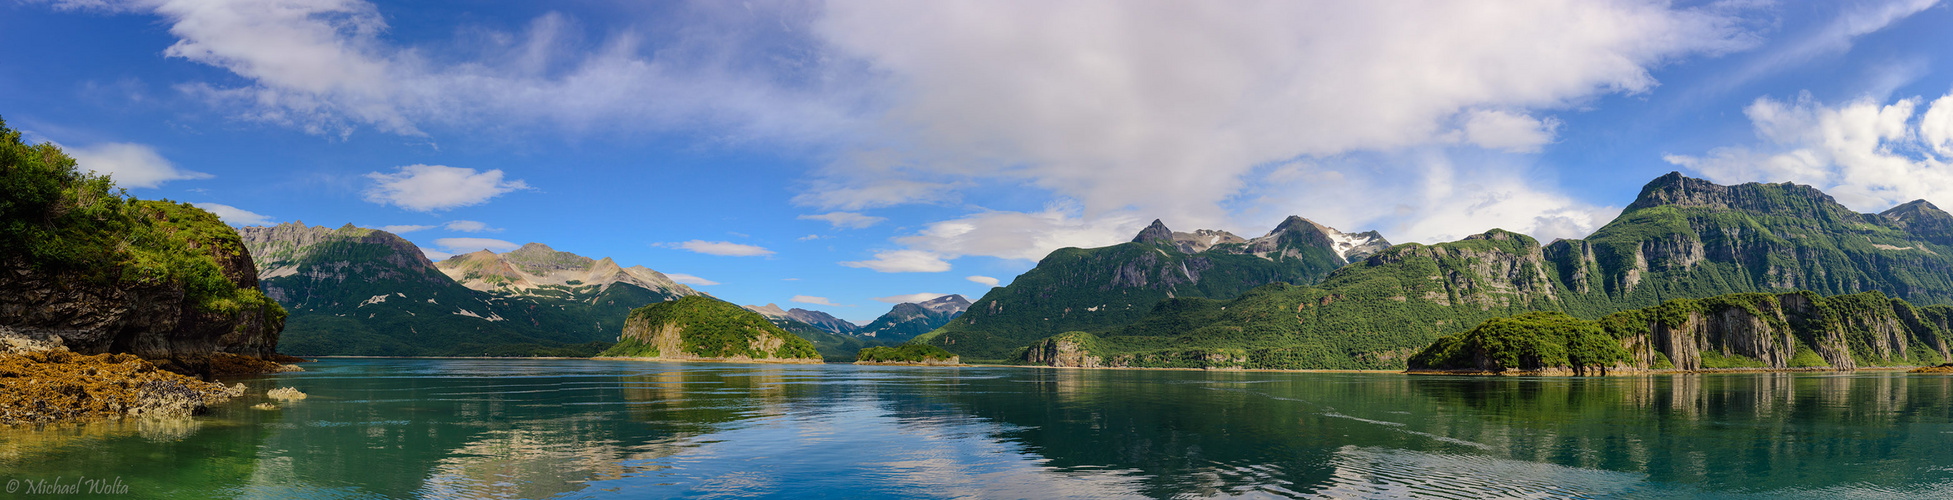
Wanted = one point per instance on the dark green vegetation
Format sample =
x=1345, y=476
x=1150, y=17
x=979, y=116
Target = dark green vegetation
x=704, y=327
x=357, y=291
x=1529, y=342
x=906, y=353
x=1105, y=288
x=1682, y=238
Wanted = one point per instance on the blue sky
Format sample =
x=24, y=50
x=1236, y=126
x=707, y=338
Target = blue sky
x=849, y=153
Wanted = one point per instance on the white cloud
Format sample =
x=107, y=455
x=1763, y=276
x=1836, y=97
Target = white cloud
x=403, y=229
x=426, y=188
x=819, y=301
x=726, y=248
x=466, y=245
x=903, y=261
x=130, y=165
x=690, y=280
x=984, y=280
x=326, y=67
x=1163, y=108
x=234, y=216
x=435, y=255
x=1517, y=133
x=845, y=220
x=913, y=297
x=468, y=226
x=811, y=237
x=1021, y=235
x=1867, y=154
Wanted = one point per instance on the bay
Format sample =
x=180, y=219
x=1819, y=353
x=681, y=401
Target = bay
x=460, y=428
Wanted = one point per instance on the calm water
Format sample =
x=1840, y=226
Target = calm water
x=584, y=429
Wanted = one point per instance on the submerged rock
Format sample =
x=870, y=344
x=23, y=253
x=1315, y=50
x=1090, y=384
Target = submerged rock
x=285, y=394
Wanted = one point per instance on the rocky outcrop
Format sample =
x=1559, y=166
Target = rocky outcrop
x=700, y=328
x=1068, y=350
x=160, y=319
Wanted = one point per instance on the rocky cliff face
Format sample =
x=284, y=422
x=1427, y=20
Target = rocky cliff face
x=45, y=307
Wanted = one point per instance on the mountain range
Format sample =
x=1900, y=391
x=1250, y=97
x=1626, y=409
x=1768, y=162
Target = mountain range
x=358, y=291
x=1101, y=288
x=1680, y=238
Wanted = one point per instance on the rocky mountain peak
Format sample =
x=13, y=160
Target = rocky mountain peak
x=1922, y=219
x=951, y=303
x=1296, y=231
x=1783, y=199
x=1203, y=239
x=1155, y=234
x=770, y=310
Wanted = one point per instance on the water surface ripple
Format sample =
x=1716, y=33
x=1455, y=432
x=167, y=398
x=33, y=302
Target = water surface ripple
x=384, y=428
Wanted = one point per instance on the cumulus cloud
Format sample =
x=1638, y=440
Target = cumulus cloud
x=726, y=248
x=845, y=220
x=903, y=261
x=690, y=280
x=466, y=245
x=403, y=229
x=469, y=226
x=235, y=216
x=984, y=280
x=1513, y=132
x=819, y=301
x=130, y=165
x=913, y=297
x=427, y=188
x=1867, y=154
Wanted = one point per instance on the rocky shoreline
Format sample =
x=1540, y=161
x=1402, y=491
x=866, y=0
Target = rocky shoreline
x=60, y=386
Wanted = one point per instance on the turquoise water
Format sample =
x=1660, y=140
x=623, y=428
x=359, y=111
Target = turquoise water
x=603, y=429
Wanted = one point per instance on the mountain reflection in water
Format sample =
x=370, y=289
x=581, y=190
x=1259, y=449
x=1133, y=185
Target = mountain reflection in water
x=576, y=429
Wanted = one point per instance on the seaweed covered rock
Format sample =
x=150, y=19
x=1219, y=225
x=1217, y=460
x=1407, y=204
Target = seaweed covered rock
x=60, y=386
x=707, y=329
x=86, y=268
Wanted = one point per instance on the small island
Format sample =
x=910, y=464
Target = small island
x=908, y=354
x=701, y=328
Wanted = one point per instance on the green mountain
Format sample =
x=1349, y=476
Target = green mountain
x=357, y=291
x=85, y=267
x=699, y=327
x=1752, y=330
x=909, y=319
x=1101, y=288
x=1681, y=238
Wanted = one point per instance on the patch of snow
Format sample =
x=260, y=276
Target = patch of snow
x=1342, y=243
x=376, y=299
x=430, y=300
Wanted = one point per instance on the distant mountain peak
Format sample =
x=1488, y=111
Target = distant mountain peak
x=1155, y=234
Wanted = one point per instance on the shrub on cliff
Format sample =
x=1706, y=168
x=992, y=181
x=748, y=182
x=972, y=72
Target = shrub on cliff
x=66, y=222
